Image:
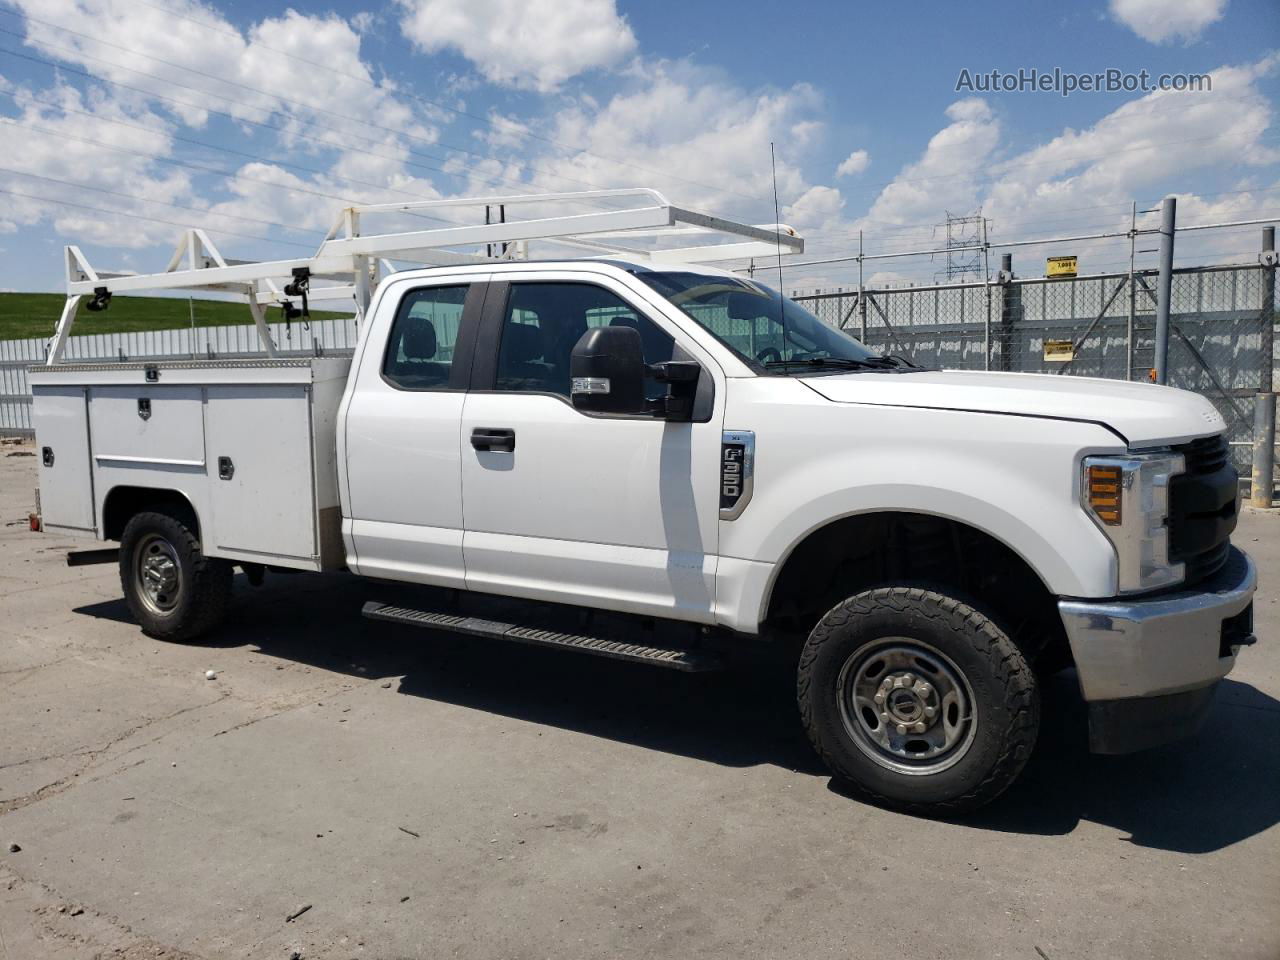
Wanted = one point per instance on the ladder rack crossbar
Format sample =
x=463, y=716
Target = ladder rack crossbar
x=354, y=259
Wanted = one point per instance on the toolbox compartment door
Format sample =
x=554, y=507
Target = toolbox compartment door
x=148, y=425
x=61, y=418
x=261, y=475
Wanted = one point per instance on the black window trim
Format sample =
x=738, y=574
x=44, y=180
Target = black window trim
x=488, y=344
x=464, y=348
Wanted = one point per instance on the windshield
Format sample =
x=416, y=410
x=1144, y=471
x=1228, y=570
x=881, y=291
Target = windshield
x=771, y=333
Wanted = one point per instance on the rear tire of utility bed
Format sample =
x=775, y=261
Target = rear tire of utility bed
x=173, y=590
x=917, y=700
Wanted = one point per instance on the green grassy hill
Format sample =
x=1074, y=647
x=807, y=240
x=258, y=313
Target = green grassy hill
x=36, y=314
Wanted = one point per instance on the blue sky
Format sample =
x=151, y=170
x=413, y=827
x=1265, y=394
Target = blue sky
x=127, y=118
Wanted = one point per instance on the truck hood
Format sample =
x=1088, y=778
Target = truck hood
x=1143, y=414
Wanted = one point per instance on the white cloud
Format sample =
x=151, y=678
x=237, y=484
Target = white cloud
x=1163, y=21
x=854, y=164
x=1083, y=180
x=244, y=73
x=533, y=44
x=687, y=131
x=54, y=146
x=201, y=62
x=1161, y=138
x=946, y=177
x=818, y=208
x=700, y=139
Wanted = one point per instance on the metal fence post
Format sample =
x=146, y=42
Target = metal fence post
x=986, y=290
x=1264, y=410
x=1268, y=260
x=1164, y=288
x=1264, y=449
x=1008, y=293
x=1128, y=330
x=862, y=296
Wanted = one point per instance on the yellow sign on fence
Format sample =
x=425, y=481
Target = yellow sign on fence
x=1059, y=351
x=1060, y=267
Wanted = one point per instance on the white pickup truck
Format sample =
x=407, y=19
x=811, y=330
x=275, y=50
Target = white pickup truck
x=686, y=448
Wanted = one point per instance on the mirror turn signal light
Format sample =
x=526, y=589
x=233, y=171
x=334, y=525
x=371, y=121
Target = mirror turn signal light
x=1104, y=494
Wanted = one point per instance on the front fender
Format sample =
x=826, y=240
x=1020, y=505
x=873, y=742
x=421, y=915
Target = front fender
x=1014, y=478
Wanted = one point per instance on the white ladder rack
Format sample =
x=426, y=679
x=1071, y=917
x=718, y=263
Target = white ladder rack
x=354, y=261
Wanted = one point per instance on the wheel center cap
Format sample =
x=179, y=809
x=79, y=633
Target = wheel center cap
x=905, y=705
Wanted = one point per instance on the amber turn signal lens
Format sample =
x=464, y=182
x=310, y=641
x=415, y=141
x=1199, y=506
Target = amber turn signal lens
x=1104, y=494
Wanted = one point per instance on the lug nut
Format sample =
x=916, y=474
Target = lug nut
x=930, y=711
x=878, y=698
x=919, y=728
x=908, y=679
x=902, y=728
x=923, y=688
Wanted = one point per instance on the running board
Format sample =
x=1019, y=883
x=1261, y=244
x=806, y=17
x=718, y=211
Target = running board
x=690, y=661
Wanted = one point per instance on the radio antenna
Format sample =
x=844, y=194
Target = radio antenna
x=777, y=233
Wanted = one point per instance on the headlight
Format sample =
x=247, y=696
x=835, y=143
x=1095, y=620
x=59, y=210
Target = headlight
x=1128, y=498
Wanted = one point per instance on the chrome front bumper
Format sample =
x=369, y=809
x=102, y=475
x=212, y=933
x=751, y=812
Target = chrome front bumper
x=1148, y=666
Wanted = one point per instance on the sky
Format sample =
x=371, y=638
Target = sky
x=124, y=121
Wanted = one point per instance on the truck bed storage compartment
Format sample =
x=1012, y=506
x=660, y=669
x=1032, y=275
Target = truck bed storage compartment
x=254, y=430
x=251, y=444
x=61, y=416
x=147, y=424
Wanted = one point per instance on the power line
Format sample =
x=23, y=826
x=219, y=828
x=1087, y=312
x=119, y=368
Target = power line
x=131, y=196
x=328, y=144
x=239, y=153
x=261, y=92
x=139, y=216
x=488, y=121
x=257, y=123
x=183, y=163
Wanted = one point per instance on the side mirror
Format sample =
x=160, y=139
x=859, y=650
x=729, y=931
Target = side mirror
x=606, y=371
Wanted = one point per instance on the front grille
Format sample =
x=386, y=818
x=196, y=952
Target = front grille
x=1206, y=455
x=1202, y=508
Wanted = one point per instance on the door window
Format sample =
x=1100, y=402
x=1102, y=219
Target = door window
x=423, y=336
x=545, y=320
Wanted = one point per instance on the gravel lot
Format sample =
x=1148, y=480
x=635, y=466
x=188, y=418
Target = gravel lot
x=428, y=796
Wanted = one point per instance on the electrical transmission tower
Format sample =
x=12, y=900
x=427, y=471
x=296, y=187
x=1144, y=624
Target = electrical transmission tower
x=965, y=237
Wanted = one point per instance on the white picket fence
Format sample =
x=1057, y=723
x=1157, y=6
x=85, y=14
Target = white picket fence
x=299, y=338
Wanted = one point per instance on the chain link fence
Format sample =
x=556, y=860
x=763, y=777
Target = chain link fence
x=1096, y=326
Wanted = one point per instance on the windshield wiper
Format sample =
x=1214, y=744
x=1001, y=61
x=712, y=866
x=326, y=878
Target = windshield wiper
x=836, y=363
x=903, y=361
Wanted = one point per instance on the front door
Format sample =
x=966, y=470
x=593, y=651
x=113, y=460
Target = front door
x=401, y=434
x=618, y=512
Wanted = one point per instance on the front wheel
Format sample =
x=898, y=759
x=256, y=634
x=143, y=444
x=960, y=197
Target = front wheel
x=173, y=590
x=917, y=700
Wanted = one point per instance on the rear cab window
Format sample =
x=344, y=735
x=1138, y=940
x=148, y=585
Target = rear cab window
x=424, y=335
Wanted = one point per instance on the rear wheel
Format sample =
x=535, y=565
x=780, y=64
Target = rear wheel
x=173, y=590
x=917, y=700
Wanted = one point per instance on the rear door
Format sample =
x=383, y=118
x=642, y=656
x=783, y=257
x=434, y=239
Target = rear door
x=401, y=432
x=619, y=512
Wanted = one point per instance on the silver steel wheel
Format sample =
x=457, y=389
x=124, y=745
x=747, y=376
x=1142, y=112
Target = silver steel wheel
x=907, y=706
x=157, y=573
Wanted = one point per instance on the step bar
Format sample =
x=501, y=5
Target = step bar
x=689, y=661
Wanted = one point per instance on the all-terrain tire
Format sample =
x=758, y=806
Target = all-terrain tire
x=173, y=590
x=992, y=676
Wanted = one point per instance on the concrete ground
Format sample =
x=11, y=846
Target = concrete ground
x=429, y=796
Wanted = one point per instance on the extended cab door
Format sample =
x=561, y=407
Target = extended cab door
x=403, y=409
x=615, y=512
